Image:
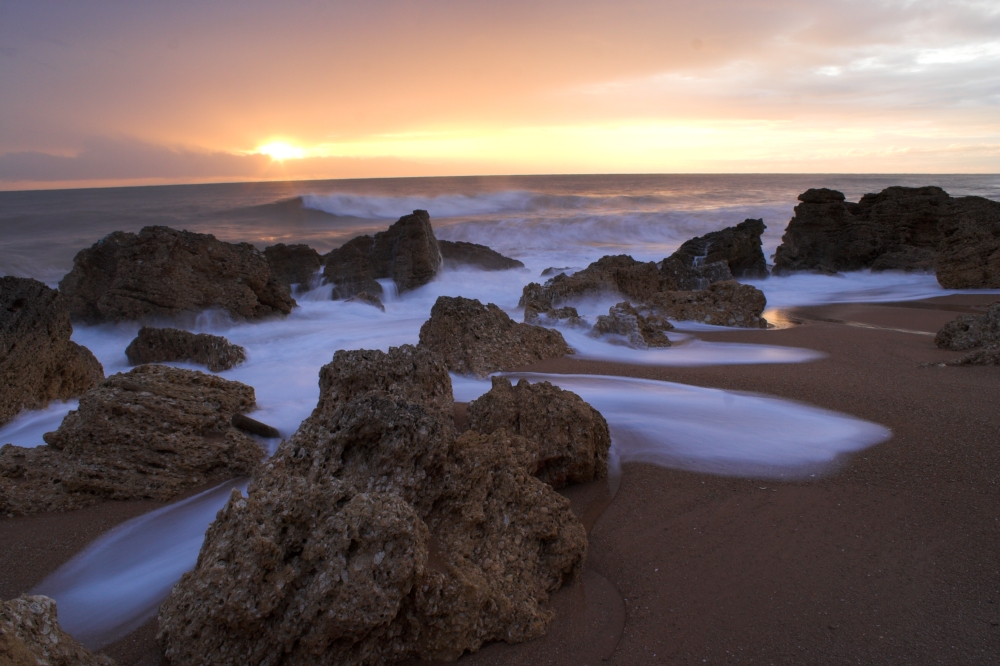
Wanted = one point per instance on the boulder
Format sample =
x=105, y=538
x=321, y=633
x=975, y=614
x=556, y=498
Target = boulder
x=717, y=256
x=367, y=298
x=376, y=535
x=145, y=434
x=971, y=330
x=168, y=345
x=460, y=253
x=30, y=635
x=476, y=339
x=293, y=264
x=626, y=325
x=407, y=252
x=38, y=361
x=164, y=273
x=620, y=274
x=722, y=304
x=969, y=255
x=572, y=437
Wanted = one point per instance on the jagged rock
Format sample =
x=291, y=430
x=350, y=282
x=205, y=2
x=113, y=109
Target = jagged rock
x=293, y=264
x=168, y=345
x=407, y=252
x=989, y=355
x=145, y=434
x=161, y=272
x=460, y=253
x=572, y=437
x=722, y=304
x=717, y=256
x=970, y=245
x=30, y=635
x=476, y=339
x=625, y=323
x=538, y=310
x=375, y=535
x=619, y=274
x=38, y=361
x=552, y=270
x=367, y=298
x=971, y=330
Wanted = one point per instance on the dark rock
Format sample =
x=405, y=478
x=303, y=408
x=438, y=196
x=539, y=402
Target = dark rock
x=460, y=253
x=538, y=309
x=254, y=427
x=679, y=276
x=30, y=635
x=407, y=252
x=989, y=355
x=168, y=345
x=970, y=245
x=722, y=304
x=476, y=339
x=718, y=256
x=293, y=264
x=163, y=273
x=971, y=330
x=38, y=361
x=367, y=298
x=910, y=259
x=572, y=437
x=552, y=270
x=625, y=323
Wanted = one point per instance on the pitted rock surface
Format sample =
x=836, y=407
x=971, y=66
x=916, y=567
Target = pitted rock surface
x=167, y=345
x=572, y=437
x=722, y=304
x=969, y=255
x=718, y=256
x=293, y=264
x=461, y=253
x=624, y=324
x=476, y=339
x=989, y=355
x=164, y=273
x=612, y=274
x=971, y=330
x=30, y=635
x=38, y=361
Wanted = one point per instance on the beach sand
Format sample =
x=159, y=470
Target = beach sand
x=894, y=557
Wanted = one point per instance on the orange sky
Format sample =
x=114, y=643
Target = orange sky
x=97, y=93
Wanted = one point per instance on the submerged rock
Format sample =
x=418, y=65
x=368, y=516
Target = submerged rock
x=168, y=345
x=625, y=323
x=971, y=330
x=572, y=437
x=30, y=635
x=970, y=245
x=717, y=256
x=476, y=339
x=460, y=253
x=293, y=264
x=161, y=272
x=38, y=361
x=367, y=298
x=376, y=535
x=407, y=252
x=722, y=304
x=145, y=434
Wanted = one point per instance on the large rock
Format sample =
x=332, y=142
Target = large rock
x=164, y=273
x=375, y=535
x=38, y=361
x=30, y=635
x=717, y=256
x=293, y=264
x=970, y=330
x=167, y=345
x=572, y=437
x=145, y=434
x=612, y=274
x=626, y=325
x=460, y=253
x=970, y=245
x=722, y=304
x=407, y=252
x=476, y=339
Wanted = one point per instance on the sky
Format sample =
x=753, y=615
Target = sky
x=96, y=93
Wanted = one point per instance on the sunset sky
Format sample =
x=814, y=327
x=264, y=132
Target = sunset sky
x=102, y=93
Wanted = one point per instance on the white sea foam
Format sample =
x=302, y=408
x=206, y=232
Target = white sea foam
x=26, y=429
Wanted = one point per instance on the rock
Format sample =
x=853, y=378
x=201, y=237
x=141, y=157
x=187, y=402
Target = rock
x=168, y=345
x=717, y=256
x=460, y=253
x=624, y=323
x=971, y=330
x=367, y=298
x=38, y=361
x=165, y=273
x=908, y=259
x=970, y=245
x=619, y=274
x=376, y=535
x=407, y=252
x=989, y=355
x=538, y=310
x=476, y=339
x=254, y=427
x=552, y=270
x=30, y=635
x=293, y=264
x=572, y=437
x=722, y=304
x=145, y=434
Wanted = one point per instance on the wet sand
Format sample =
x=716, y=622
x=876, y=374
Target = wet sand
x=894, y=557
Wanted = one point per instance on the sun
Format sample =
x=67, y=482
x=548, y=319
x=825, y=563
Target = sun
x=279, y=150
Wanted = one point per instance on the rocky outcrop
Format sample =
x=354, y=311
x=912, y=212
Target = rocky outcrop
x=164, y=273
x=407, y=252
x=612, y=274
x=572, y=437
x=30, y=635
x=376, y=535
x=145, y=434
x=293, y=264
x=38, y=361
x=625, y=325
x=722, y=304
x=969, y=256
x=539, y=311
x=460, y=253
x=971, y=330
x=367, y=298
x=476, y=339
x=168, y=345
x=717, y=256
x=989, y=355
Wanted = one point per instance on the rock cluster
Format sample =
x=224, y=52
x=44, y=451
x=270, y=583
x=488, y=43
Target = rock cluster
x=461, y=253
x=539, y=311
x=626, y=325
x=476, y=339
x=164, y=273
x=145, y=434
x=38, y=361
x=971, y=331
x=722, y=304
x=612, y=274
x=168, y=345
x=30, y=635
x=375, y=534
x=407, y=252
x=293, y=264
x=716, y=257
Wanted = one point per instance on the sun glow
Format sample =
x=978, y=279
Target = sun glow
x=279, y=150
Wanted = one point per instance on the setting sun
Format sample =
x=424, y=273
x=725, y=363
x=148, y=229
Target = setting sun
x=279, y=150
